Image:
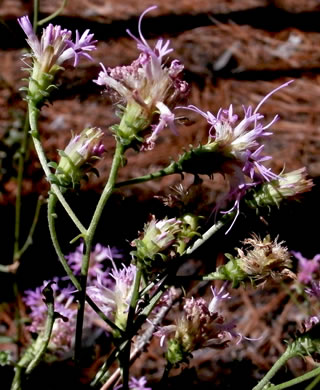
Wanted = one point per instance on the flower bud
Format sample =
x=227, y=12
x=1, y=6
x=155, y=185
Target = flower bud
x=78, y=156
x=288, y=186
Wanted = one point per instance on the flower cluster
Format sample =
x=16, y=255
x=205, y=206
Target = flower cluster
x=199, y=325
x=148, y=88
x=54, y=50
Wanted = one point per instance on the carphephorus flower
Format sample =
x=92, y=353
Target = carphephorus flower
x=234, y=149
x=262, y=260
x=79, y=155
x=97, y=266
x=164, y=239
x=307, y=268
x=54, y=50
x=149, y=90
x=199, y=325
x=114, y=301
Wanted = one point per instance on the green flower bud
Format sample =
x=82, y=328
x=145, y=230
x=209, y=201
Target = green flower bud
x=82, y=150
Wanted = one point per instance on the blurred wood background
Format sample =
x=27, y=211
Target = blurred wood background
x=233, y=51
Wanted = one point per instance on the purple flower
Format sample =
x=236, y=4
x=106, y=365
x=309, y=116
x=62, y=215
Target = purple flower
x=97, y=266
x=306, y=268
x=114, y=301
x=138, y=384
x=55, y=47
x=239, y=143
x=199, y=325
x=314, y=290
x=147, y=87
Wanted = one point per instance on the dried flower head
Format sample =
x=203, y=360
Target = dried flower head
x=261, y=260
x=148, y=88
x=264, y=259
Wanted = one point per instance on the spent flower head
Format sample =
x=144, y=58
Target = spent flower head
x=54, y=50
x=148, y=88
x=261, y=260
x=79, y=155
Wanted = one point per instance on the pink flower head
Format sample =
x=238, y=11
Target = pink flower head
x=114, y=301
x=147, y=87
x=55, y=46
x=306, y=268
x=239, y=142
x=199, y=325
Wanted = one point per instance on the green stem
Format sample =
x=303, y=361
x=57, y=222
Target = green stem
x=125, y=356
x=136, y=326
x=53, y=15
x=52, y=201
x=313, y=384
x=169, y=170
x=28, y=241
x=34, y=354
x=22, y=156
x=117, y=160
x=288, y=354
x=51, y=220
x=35, y=14
x=210, y=232
x=33, y=119
x=300, y=379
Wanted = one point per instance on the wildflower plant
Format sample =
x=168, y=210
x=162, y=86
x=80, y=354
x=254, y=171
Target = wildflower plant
x=131, y=294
